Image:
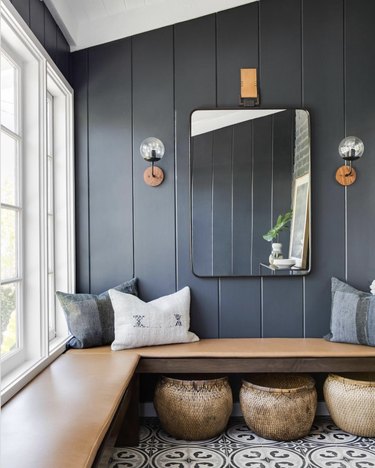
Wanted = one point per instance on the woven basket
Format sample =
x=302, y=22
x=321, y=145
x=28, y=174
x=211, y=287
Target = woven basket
x=279, y=406
x=193, y=409
x=351, y=402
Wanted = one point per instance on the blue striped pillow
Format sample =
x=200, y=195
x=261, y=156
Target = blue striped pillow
x=90, y=318
x=352, y=315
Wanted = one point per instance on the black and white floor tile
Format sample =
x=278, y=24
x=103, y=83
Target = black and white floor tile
x=325, y=447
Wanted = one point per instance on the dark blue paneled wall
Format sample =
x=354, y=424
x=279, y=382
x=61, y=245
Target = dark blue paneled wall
x=315, y=54
x=39, y=19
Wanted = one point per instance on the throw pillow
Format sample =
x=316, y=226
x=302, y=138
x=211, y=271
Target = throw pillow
x=352, y=315
x=162, y=321
x=90, y=318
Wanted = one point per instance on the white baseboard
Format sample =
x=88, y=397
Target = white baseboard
x=147, y=410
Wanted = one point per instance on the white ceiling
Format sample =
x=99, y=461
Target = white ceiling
x=86, y=23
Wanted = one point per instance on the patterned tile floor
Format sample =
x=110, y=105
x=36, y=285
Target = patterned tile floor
x=326, y=447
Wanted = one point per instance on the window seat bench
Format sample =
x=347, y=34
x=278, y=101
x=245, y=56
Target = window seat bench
x=71, y=414
x=63, y=417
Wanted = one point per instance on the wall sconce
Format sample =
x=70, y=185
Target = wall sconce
x=152, y=150
x=350, y=149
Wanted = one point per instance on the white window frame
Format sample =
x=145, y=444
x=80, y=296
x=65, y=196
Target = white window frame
x=52, y=332
x=63, y=196
x=14, y=358
x=44, y=76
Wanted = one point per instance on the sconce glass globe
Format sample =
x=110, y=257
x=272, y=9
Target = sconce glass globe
x=152, y=149
x=351, y=148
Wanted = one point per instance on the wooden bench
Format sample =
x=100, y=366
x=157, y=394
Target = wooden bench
x=246, y=355
x=69, y=415
x=72, y=413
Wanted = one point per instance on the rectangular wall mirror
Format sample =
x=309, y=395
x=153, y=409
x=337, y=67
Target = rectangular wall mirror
x=247, y=167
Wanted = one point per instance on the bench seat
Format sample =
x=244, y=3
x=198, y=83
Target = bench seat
x=60, y=418
x=246, y=355
x=245, y=348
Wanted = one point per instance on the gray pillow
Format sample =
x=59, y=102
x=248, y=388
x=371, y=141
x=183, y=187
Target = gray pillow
x=90, y=318
x=352, y=315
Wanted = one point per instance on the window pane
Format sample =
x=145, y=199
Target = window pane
x=9, y=317
x=8, y=170
x=8, y=94
x=9, y=232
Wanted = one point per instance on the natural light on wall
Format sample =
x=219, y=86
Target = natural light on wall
x=37, y=204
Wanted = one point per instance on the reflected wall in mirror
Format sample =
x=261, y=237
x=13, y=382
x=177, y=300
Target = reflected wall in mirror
x=245, y=164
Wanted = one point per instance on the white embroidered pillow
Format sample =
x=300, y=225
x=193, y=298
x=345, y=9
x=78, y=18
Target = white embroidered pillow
x=162, y=321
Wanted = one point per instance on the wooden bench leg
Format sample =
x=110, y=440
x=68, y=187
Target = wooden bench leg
x=129, y=432
x=124, y=430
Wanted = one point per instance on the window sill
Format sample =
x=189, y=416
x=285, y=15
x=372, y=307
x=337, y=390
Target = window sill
x=16, y=380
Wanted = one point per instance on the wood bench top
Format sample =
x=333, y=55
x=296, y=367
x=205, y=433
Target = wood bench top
x=246, y=348
x=61, y=417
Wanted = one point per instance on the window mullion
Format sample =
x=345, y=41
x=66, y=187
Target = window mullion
x=16, y=208
x=16, y=279
x=10, y=133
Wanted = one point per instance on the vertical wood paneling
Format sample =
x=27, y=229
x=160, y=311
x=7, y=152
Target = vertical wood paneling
x=201, y=204
x=293, y=34
x=80, y=83
x=239, y=305
x=282, y=307
x=62, y=54
x=37, y=16
x=195, y=78
x=360, y=121
x=323, y=97
x=50, y=35
x=23, y=8
x=280, y=82
x=154, y=208
x=237, y=47
x=37, y=19
x=280, y=53
x=222, y=201
x=237, y=187
x=242, y=197
x=262, y=190
x=110, y=165
x=283, y=144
